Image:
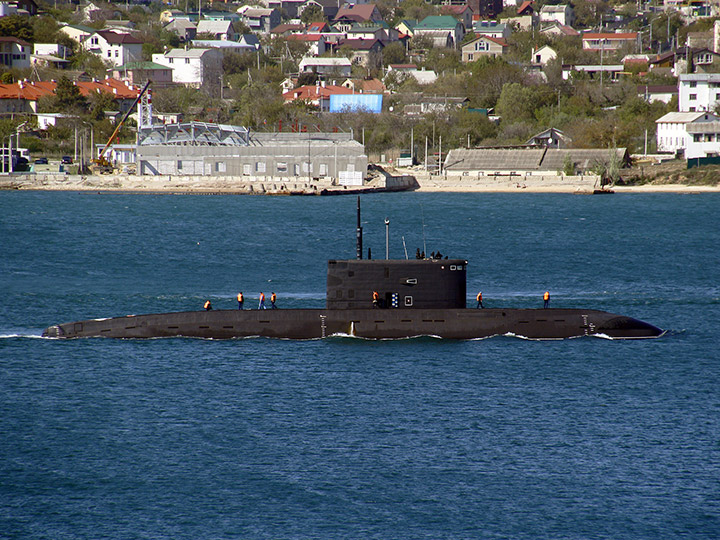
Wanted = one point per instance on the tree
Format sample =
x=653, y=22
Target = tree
x=68, y=97
x=16, y=26
x=312, y=13
x=394, y=53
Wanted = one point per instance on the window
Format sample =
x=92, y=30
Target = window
x=693, y=84
x=187, y=60
x=282, y=167
x=179, y=165
x=170, y=60
x=219, y=166
x=692, y=109
x=697, y=137
x=259, y=166
x=693, y=97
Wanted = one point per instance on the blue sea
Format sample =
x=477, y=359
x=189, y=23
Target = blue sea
x=342, y=438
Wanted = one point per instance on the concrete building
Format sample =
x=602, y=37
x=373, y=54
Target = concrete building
x=114, y=47
x=197, y=148
x=696, y=134
x=561, y=14
x=698, y=92
x=194, y=67
x=15, y=53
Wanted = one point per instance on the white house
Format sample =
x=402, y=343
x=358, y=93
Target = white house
x=698, y=92
x=562, y=14
x=543, y=55
x=194, y=67
x=223, y=30
x=114, y=47
x=697, y=134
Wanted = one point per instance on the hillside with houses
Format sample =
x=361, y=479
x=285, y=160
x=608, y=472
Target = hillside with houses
x=402, y=77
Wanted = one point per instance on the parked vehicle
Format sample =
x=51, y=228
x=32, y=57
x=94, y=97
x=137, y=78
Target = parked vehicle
x=66, y=160
x=41, y=161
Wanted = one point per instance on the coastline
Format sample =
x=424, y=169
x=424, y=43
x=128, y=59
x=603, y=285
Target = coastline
x=229, y=186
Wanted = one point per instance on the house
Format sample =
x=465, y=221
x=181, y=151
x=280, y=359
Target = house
x=703, y=61
x=365, y=86
x=429, y=104
x=139, y=73
x=318, y=95
x=485, y=9
x=15, y=53
x=288, y=8
x=543, y=55
x=23, y=96
x=406, y=27
x=462, y=12
x=225, y=47
x=525, y=17
x=287, y=29
x=492, y=29
x=698, y=92
x=696, y=134
x=329, y=8
x=193, y=67
x=20, y=7
x=483, y=46
x=114, y=47
x=249, y=41
x=443, y=30
x=50, y=55
x=223, y=30
x=560, y=30
x=663, y=93
x=364, y=52
x=350, y=14
x=550, y=138
x=379, y=31
x=421, y=76
x=335, y=65
x=77, y=32
x=261, y=20
x=593, y=41
x=316, y=42
x=186, y=30
x=561, y=14
x=606, y=72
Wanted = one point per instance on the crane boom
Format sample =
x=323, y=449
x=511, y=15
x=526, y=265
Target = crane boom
x=100, y=158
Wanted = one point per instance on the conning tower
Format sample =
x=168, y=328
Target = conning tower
x=400, y=283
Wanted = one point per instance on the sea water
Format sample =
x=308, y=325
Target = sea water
x=347, y=438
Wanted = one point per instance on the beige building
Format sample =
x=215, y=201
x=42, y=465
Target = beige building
x=483, y=46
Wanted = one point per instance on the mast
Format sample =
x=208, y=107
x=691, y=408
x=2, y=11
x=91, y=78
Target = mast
x=359, y=231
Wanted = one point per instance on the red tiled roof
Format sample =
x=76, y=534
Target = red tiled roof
x=313, y=92
x=12, y=39
x=454, y=10
x=499, y=41
x=32, y=91
x=525, y=5
x=364, y=11
x=305, y=37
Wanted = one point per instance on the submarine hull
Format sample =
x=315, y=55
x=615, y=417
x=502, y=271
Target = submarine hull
x=363, y=323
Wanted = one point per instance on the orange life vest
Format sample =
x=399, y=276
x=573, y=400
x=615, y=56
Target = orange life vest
x=240, y=297
x=207, y=304
x=479, y=297
x=273, y=297
x=546, y=296
x=376, y=296
x=262, y=297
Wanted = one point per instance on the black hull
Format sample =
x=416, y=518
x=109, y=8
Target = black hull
x=365, y=323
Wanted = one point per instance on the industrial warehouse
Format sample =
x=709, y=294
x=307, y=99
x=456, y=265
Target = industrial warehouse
x=202, y=149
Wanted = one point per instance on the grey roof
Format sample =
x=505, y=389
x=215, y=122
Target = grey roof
x=527, y=159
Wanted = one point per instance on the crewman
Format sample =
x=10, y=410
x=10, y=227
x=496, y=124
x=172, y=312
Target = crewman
x=208, y=305
x=241, y=300
x=546, y=299
x=273, y=297
x=376, y=299
x=261, y=305
x=479, y=301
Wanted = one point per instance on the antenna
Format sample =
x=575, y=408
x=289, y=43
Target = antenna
x=359, y=232
x=422, y=215
x=405, y=248
x=387, y=238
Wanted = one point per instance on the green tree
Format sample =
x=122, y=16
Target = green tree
x=16, y=26
x=312, y=13
x=394, y=53
x=68, y=97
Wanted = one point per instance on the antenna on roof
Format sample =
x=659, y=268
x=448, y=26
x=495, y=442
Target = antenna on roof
x=422, y=214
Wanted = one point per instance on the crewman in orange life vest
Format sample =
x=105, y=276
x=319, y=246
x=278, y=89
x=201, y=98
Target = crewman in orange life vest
x=273, y=297
x=208, y=305
x=261, y=305
x=479, y=301
x=546, y=299
x=376, y=299
x=241, y=300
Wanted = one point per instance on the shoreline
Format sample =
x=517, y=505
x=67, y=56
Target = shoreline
x=224, y=186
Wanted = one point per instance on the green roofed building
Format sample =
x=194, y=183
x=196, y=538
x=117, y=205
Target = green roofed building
x=443, y=30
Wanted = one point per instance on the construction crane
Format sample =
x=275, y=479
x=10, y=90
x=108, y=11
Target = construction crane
x=101, y=165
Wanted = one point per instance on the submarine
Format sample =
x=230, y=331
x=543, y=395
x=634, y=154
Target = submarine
x=373, y=299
